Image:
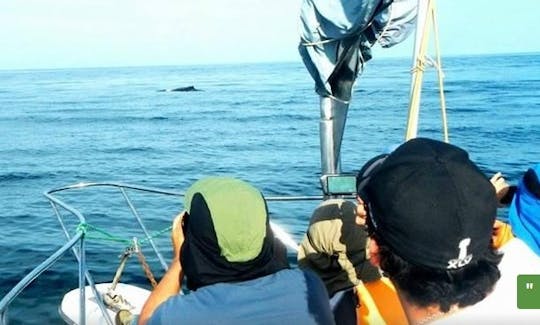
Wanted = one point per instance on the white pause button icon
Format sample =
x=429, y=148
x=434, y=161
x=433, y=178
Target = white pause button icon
x=529, y=285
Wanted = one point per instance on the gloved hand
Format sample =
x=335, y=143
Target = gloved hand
x=501, y=186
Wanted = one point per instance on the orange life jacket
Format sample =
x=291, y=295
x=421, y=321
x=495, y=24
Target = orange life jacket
x=379, y=304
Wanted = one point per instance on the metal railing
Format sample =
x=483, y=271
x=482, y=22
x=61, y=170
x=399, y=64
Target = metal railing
x=78, y=239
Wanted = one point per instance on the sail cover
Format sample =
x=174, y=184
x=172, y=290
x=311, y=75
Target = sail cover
x=337, y=36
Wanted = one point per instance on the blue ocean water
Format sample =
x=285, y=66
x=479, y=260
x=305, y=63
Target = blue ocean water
x=258, y=122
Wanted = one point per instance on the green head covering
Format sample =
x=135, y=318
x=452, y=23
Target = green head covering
x=227, y=234
x=238, y=212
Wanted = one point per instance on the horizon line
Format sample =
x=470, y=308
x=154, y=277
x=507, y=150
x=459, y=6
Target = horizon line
x=234, y=63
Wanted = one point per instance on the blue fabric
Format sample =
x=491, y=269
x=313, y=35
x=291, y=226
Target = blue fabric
x=343, y=304
x=323, y=20
x=329, y=29
x=524, y=215
x=289, y=296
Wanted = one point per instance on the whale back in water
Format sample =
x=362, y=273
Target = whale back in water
x=181, y=89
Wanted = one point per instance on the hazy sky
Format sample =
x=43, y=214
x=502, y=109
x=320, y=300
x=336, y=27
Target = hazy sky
x=95, y=33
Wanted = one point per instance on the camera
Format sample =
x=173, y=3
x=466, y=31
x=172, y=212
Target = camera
x=339, y=184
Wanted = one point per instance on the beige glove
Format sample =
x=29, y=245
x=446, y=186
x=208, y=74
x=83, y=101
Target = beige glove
x=500, y=184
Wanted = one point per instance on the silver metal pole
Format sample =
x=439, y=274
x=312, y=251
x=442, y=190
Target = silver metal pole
x=82, y=289
x=331, y=128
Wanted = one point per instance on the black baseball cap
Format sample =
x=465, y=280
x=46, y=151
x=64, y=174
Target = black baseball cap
x=364, y=174
x=431, y=204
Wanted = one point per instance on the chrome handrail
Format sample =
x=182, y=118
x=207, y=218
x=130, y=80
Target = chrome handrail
x=79, y=238
x=36, y=272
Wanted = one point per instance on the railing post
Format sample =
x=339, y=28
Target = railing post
x=3, y=319
x=82, y=282
x=143, y=227
x=30, y=277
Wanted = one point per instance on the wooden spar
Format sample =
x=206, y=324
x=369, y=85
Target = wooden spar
x=426, y=20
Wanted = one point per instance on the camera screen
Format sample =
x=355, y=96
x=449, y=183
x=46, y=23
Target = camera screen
x=341, y=184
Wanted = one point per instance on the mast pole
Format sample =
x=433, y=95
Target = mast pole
x=331, y=129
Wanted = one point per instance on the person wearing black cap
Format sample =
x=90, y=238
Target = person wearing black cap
x=237, y=271
x=429, y=213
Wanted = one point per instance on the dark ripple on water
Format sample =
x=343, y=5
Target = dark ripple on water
x=24, y=176
x=74, y=120
x=130, y=150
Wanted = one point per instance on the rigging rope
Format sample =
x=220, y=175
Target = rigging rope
x=156, y=234
x=146, y=269
x=87, y=229
x=134, y=245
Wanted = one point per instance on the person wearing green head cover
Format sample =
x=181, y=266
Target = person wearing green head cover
x=236, y=270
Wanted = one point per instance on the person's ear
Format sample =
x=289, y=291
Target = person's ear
x=373, y=252
x=361, y=213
